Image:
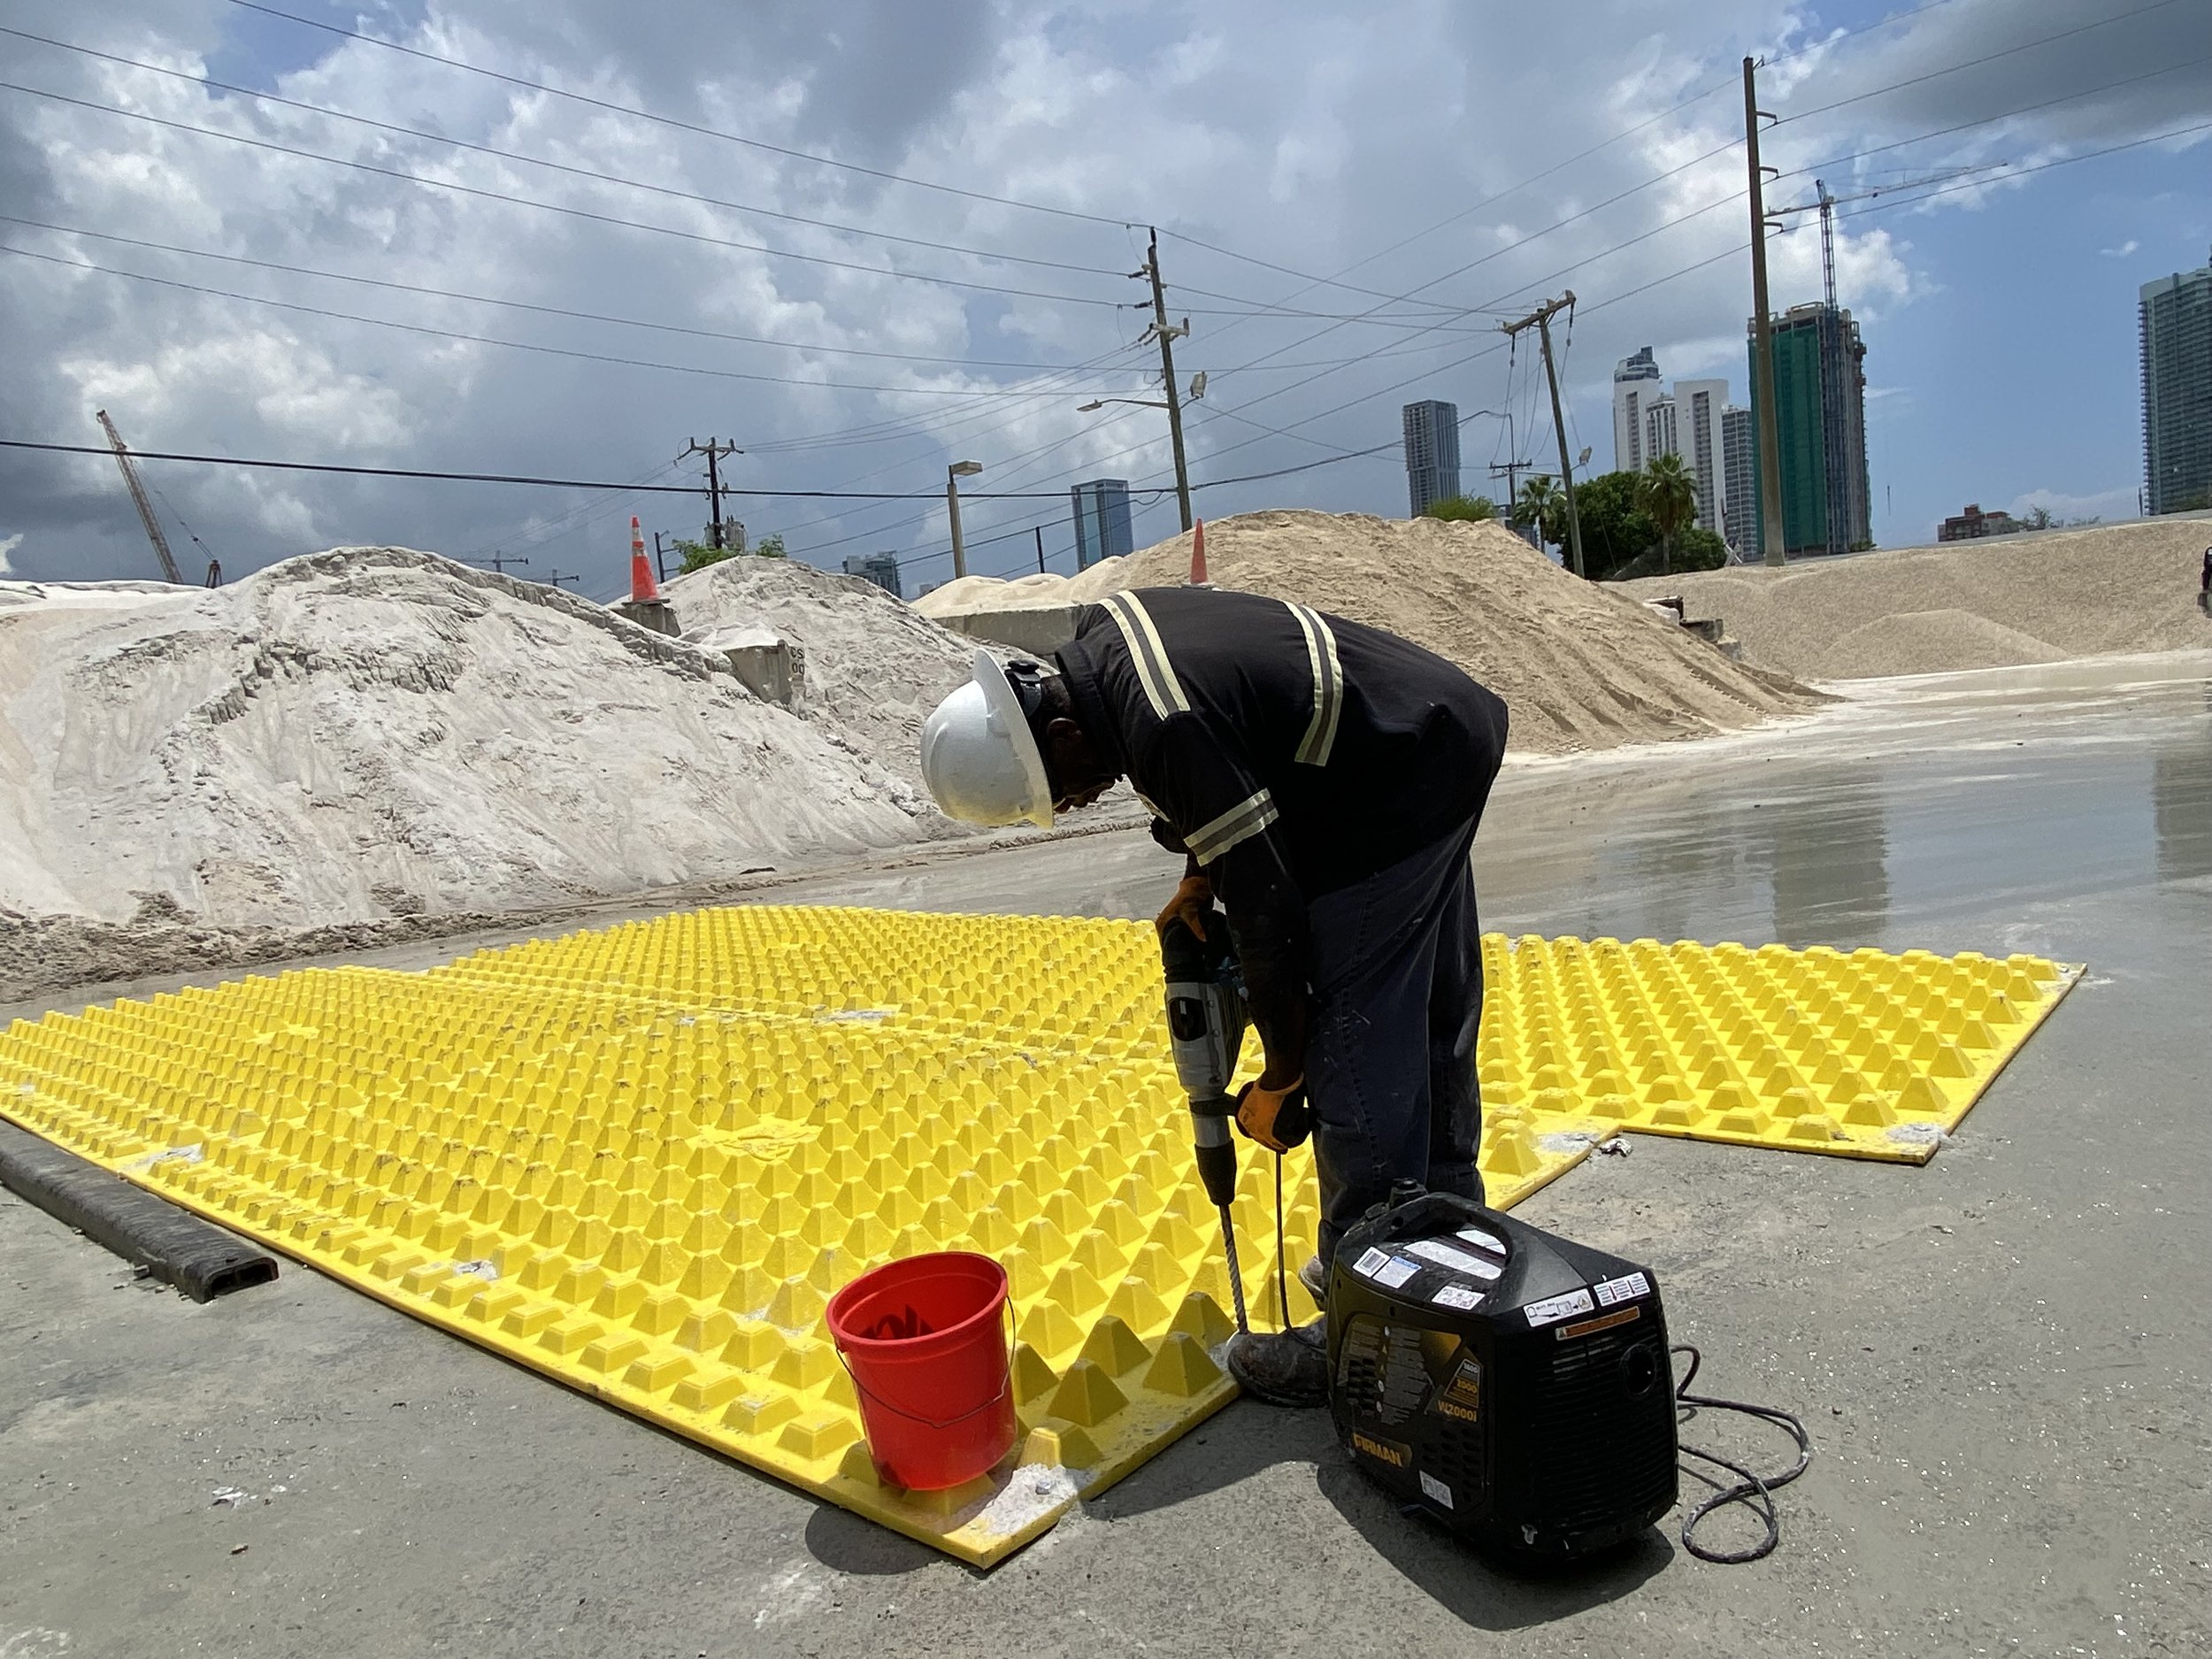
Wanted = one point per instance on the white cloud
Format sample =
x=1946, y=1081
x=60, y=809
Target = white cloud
x=8, y=544
x=2123, y=250
x=1280, y=131
x=2119, y=502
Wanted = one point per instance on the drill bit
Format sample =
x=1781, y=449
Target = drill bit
x=1236, y=1273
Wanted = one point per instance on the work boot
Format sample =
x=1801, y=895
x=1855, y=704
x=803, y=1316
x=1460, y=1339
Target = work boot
x=1315, y=1277
x=1283, y=1368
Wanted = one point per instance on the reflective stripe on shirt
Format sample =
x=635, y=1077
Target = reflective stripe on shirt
x=1150, y=657
x=1247, y=818
x=1328, y=686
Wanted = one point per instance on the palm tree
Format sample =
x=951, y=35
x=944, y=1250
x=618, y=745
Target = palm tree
x=1539, y=505
x=1669, y=492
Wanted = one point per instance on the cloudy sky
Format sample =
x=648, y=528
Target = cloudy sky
x=864, y=240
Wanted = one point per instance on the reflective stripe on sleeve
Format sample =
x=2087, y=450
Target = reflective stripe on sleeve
x=1328, y=686
x=1247, y=818
x=1154, y=673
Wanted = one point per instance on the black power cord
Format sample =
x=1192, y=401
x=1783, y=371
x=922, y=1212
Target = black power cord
x=1754, y=1491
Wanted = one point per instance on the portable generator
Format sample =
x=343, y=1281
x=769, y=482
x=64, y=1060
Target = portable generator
x=1508, y=1383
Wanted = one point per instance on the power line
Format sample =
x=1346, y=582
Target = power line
x=526, y=345
x=1614, y=299
x=1628, y=132
x=587, y=174
x=1587, y=211
x=2013, y=173
x=520, y=478
x=260, y=96
x=1952, y=69
x=1990, y=120
x=1490, y=350
x=551, y=207
x=672, y=122
x=526, y=306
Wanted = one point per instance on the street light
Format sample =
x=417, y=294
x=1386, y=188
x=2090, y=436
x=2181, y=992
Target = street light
x=954, y=473
x=1101, y=402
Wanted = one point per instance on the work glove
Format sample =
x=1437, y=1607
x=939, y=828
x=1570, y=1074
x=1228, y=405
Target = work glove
x=1278, y=1119
x=1193, y=901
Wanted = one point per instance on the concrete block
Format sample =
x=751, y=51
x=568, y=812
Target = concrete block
x=769, y=666
x=1040, y=631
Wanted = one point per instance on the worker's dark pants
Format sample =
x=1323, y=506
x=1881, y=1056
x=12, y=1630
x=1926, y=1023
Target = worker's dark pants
x=1390, y=1063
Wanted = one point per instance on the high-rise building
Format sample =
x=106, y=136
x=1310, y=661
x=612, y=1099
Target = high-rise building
x=1432, y=439
x=2175, y=319
x=1740, y=488
x=882, y=569
x=1661, y=436
x=1704, y=447
x=1102, y=521
x=1820, y=421
x=1635, y=382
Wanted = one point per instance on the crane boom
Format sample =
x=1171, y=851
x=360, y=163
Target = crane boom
x=145, y=508
x=1824, y=203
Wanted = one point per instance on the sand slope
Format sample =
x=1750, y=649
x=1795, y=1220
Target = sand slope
x=1582, y=666
x=374, y=731
x=874, y=668
x=1975, y=604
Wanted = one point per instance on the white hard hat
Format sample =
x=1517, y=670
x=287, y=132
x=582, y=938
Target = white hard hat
x=979, y=758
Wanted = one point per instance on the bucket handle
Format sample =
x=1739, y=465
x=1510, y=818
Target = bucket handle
x=1005, y=1383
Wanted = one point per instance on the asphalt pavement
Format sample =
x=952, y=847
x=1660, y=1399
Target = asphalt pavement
x=2002, y=1357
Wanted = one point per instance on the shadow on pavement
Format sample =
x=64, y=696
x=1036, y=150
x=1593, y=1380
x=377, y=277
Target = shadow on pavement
x=1469, y=1586
x=1248, y=1438
x=846, y=1542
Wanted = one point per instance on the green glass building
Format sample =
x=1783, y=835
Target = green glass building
x=1820, y=422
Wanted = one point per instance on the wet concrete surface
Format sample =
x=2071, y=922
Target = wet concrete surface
x=2002, y=1357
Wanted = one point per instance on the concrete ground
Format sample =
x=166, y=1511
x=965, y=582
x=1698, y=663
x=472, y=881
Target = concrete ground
x=2002, y=1357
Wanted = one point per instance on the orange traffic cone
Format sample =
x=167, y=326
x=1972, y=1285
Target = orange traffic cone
x=1198, y=553
x=642, y=586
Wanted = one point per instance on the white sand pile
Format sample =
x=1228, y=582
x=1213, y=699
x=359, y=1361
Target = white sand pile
x=374, y=731
x=967, y=595
x=872, y=669
x=2121, y=588
x=1582, y=666
x=1958, y=639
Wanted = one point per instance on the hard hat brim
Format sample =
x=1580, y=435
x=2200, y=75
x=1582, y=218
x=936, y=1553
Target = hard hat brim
x=1006, y=706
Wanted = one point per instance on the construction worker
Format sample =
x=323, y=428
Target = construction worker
x=1322, y=780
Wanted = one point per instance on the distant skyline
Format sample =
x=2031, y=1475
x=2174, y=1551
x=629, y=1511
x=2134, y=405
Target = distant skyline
x=1344, y=223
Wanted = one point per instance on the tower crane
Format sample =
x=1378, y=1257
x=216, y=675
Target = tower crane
x=1824, y=203
x=145, y=508
x=1835, y=445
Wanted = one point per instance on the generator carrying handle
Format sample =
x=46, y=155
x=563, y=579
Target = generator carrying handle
x=1438, y=1215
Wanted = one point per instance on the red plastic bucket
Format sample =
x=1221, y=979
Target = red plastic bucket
x=926, y=1341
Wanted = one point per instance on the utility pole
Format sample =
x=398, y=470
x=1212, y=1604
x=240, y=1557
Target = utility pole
x=714, y=449
x=1511, y=469
x=499, y=562
x=1763, y=413
x=1540, y=320
x=660, y=564
x=1167, y=333
x=954, y=473
x=1040, y=529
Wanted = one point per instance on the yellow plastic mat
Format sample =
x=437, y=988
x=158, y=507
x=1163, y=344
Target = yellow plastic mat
x=641, y=1160
x=1863, y=1053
